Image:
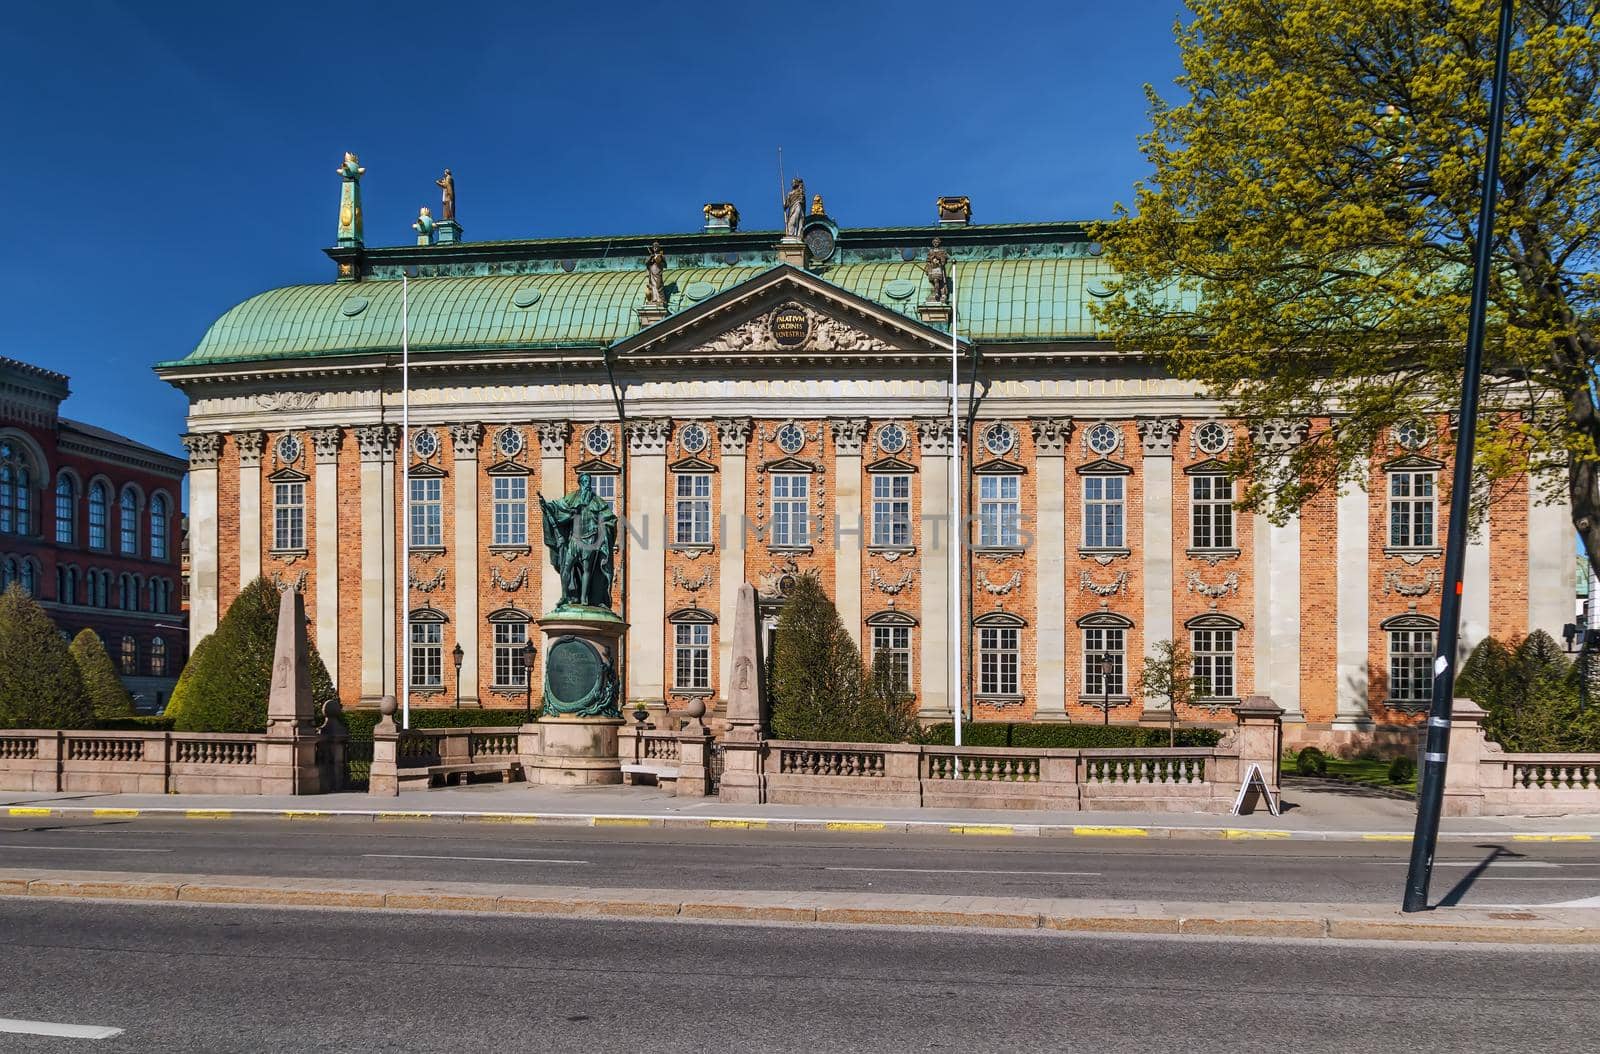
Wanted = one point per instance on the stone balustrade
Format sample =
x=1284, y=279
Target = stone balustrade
x=1484, y=779
x=98, y=762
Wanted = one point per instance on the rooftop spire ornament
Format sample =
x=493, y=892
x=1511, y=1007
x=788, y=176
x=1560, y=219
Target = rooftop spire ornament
x=350, y=201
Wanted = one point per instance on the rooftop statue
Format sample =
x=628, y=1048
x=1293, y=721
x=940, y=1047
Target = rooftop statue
x=447, y=183
x=655, y=266
x=937, y=268
x=580, y=531
x=424, y=224
x=794, y=209
x=816, y=205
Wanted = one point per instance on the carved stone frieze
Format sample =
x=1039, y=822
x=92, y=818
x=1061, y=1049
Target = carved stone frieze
x=648, y=435
x=553, y=438
x=1050, y=435
x=1229, y=584
x=427, y=585
x=251, y=444
x=825, y=333
x=288, y=400
x=1087, y=584
x=508, y=585
x=464, y=440
x=327, y=442
x=848, y=435
x=1394, y=583
x=934, y=434
x=1000, y=588
x=1279, y=435
x=204, y=448
x=891, y=586
x=286, y=583
x=1156, y=435
x=377, y=442
x=693, y=585
x=733, y=433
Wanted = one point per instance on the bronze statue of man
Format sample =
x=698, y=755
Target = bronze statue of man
x=580, y=531
x=447, y=183
x=794, y=209
x=937, y=269
x=655, y=267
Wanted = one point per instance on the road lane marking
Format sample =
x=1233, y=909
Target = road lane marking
x=57, y=1030
x=487, y=859
x=1531, y=878
x=1496, y=864
x=80, y=849
x=621, y=821
x=963, y=871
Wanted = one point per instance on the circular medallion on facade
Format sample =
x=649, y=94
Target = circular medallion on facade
x=899, y=288
x=1098, y=288
x=353, y=306
x=1102, y=439
x=790, y=325
x=908, y=255
x=290, y=448
x=791, y=438
x=891, y=439
x=820, y=242
x=999, y=438
x=425, y=444
x=527, y=296
x=573, y=671
x=569, y=265
x=1411, y=435
x=699, y=290
x=597, y=440
x=694, y=438
x=508, y=441
x=1211, y=438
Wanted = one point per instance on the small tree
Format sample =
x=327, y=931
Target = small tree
x=816, y=668
x=1488, y=677
x=40, y=686
x=887, y=713
x=1169, y=675
x=224, y=686
x=104, y=688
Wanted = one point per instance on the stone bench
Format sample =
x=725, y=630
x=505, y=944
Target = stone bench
x=646, y=773
x=423, y=777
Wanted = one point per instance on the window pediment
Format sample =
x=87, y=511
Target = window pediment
x=891, y=464
x=1105, y=620
x=692, y=464
x=788, y=464
x=426, y=471
x=1000, y=618
x=596, y=467
x=1410, y=620
x=890, y=618
x=510, y=615
x=1209, y=467
x=1213, y=620
x=288, y=475
x=428, y=615
x=1413, y=463
x=508, y=468
x=692, y=615
x=1103, y=467
x=999, y=467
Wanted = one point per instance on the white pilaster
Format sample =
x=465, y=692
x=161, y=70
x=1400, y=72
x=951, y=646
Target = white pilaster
x=379, y=628
x=327, y=442
x=1551, y=552
x=204, y=449
x=933, y=657
x=250, y=445
x=848, y=524
x=464, y=442
x=1050, y=435
x=552, y=485
x=733, y=433
x=1278, y=612
x=1475, y=588
x=647, y=559
x=1155, y=442
x=1351, y=522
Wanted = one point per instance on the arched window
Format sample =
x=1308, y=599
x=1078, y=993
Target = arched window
x=99, y=515
x=129, y=657
x=128, y=524
x=66, y=510
x=158, y=657
x=14, y=486
x=30, y=578
x=158, y=527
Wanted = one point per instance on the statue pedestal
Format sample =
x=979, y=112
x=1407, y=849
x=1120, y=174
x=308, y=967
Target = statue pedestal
x=446, y=232
x=650, y=314
x=934, y=313
x=792, y=251
x=577, y=752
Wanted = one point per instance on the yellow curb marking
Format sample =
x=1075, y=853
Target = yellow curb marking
x=500, y=818
x=307, y=815
x=842, y=825
x=1237, y=832
x=621, y=821
x=1386, y=838
x=209, y=814
x=741, y=825
x=116, y=812
x=1112, y=832
x=28, y=811
x=402, y=816
x=1552, y=838
x=984, y=829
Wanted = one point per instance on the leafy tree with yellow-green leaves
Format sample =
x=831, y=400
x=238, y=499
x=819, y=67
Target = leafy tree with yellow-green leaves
x=1303, y=248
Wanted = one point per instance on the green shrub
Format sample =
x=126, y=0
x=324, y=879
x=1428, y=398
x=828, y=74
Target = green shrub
x=225, y=684
x=1311, y=762
x=361, y=722
x=40, y=685
x=1402, y=769
x=816, y=672
x=1488, y=677
x=1531, y=693
x=104, y=688
x=157, y=723
x=1047, y=735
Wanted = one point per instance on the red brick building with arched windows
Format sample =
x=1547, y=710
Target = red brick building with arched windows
x=91, y=525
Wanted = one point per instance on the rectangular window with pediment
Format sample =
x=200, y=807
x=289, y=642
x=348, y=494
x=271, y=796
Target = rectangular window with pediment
x=510, y=510
x=510, y=658
x=289, y=516
x=1410, y=665
x=1103, y=512
x=891, y=510
x=1412, y=510
x=998, y=660
x=693, y=512
x=1213, y=663
x=427, y=654
x=895, y=643
x=1104, y=661
x=1211, y=512
x=999, y=511
x=605, y=487
x=791, y=526
x=427, y=513
x=692, y=656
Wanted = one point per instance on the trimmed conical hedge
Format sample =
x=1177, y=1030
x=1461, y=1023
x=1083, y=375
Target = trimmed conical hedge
x=107, y=695
x=40, y=686
x=816, y=668
x=225, y=685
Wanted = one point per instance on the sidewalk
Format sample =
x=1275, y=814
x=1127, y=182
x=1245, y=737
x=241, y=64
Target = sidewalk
x=1311, y=812
x=1562, y=925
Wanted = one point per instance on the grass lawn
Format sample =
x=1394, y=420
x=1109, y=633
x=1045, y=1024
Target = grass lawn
x=1370, y=773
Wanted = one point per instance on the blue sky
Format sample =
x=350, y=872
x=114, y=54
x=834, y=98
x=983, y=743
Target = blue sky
x=165, y=160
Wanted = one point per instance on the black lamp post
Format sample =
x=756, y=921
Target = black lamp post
x=456, y=656
x=528, y=652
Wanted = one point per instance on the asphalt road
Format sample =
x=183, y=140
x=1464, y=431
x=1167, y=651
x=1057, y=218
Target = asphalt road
x=1483, y=873
x=197, y=978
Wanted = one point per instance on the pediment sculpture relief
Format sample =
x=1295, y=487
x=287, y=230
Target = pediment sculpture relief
x=823, y=333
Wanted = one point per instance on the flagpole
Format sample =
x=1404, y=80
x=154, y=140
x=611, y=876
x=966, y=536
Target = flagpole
x=405, y=500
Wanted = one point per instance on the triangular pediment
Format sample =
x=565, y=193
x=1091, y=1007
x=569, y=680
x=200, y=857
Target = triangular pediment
x=508, y=468
x=692, y=464
x=1413, y=463
x=594, y=466
x=788, y=464
x=1104, y=467
x=891, y=464
x=782, y=314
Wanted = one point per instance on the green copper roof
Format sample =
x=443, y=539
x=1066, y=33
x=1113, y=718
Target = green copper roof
x=997, y=300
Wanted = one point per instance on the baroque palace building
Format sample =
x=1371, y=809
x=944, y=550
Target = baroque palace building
x=760, y=405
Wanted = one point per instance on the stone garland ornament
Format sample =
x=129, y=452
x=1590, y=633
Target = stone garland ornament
x=693, y=585
x=1000, y=588
x=509, y=585
x=1229, y=584
x=1393, y=583
x=283, y=584
x=891, y=587
x=427, y=585
x=1087, y=584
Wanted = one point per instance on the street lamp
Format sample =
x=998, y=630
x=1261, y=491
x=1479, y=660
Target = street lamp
x=528, y=651
x=456, y=656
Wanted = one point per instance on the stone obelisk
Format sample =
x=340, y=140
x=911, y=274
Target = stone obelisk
x=747, y=707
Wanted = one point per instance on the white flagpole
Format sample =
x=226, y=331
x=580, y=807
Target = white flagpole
x=405, y=500
x=957, y=531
